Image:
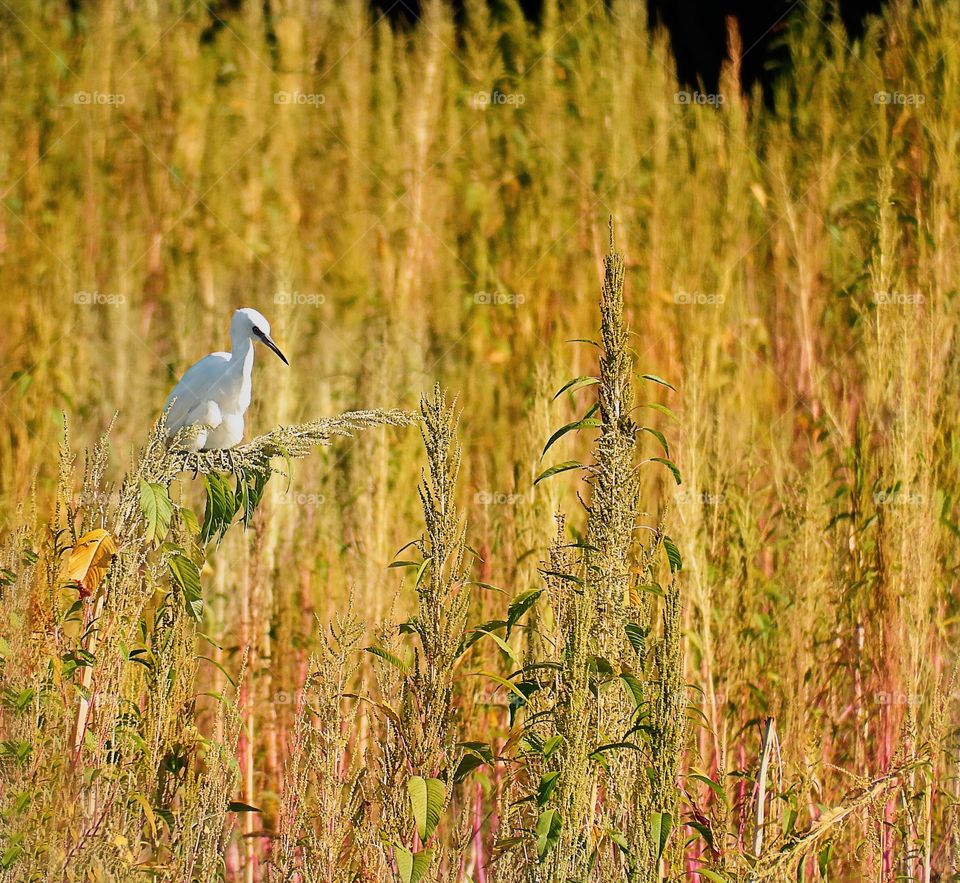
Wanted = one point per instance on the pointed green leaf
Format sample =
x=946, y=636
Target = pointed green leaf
x=548, y=782
x=670, y=465
x=239, y=806
x=634, y=687
x=637, y=636
x=389, y=657
x=520, y=605
x=157, y=509
x=585, y=423
x=660, y=825
x=412, y=866
x=663, y=409
x=659, y=436
x=673, y=555
x=503, y=682
x=547, y=830
x=417, y=789
x=551, y=745
x=714, y=786
x=426, y=798
x=556, y=470
x=655, y=379
x=575, y=384
x=186, y=575
x=713, y=876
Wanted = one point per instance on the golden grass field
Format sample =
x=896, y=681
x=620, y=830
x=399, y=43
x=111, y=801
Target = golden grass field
x=408, y=663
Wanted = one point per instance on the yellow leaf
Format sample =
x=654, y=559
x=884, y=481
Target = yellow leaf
x=89, y=560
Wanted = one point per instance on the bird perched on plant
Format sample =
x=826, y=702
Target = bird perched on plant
x=215, y=393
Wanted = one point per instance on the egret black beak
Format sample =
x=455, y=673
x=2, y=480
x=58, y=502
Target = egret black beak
x=268, y=341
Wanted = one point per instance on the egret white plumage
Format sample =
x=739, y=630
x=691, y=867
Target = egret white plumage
x=215, y=393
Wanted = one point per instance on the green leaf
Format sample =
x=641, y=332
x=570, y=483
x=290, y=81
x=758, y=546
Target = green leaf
x=486, y=586
x=634, y=686
x=186, y=575
x=548, y=782
x=189, y=519
x=637, y=636
x=663, y=409
x=426, y=798
x=577, y=383
x=237, y=806
x=655, y=379
x=670, y=465
x=565, y=466
x=704, y=831
x=597, y=753
x=673, y=555
x=567, y=577
x=520, y=605
x=503, y=645
x=823, y=860
x=659, y=436
x=412, y=865
x=477, y=632
x=713, y=786
x=389, y=657
x=10, y=856
x=547, y=830
x=585, y=423
x=422, y=569
x=503, y=682
x=249, y=492
x=551, y=745
x=619, y=839
x=157, y=509
x=707, y=874
x=220, y=509
x=475, y=754
x=660, y=825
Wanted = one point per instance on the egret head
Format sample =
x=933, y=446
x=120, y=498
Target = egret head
x=250, y=323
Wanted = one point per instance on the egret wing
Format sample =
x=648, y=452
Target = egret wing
x=195, y=390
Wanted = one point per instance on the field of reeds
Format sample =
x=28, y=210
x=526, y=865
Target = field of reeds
x=604, y=526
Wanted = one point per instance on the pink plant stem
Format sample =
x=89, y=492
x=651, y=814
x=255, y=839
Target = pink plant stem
x=477, y=839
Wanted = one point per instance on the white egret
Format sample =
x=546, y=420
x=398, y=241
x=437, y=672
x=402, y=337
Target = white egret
x=214, y=394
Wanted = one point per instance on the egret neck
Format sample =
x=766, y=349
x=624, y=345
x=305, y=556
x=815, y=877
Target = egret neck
x=241, y=364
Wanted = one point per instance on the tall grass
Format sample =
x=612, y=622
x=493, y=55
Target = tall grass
x=209, y=669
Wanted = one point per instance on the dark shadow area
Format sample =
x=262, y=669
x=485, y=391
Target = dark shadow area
x=698, y=32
